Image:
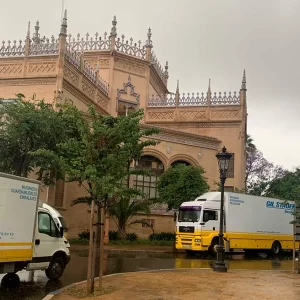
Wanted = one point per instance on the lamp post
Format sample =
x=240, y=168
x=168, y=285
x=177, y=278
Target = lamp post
x=223, y=161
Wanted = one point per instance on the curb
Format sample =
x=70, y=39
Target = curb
x=56, y=292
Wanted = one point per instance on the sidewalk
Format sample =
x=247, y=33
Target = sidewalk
x=195, y=284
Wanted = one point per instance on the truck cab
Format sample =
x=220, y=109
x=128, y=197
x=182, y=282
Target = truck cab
x=58, y=218
x=51, y=248
x=197, y=224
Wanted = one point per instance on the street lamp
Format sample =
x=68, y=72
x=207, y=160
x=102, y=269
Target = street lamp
x=223, y=161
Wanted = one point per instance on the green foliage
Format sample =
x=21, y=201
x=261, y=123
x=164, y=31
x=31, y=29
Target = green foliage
x=162, y=236
x=26, y=127
x=181, y=183
x=124, y=210
x=127, y=242
x=131, y=236
x=286, y=187
x=98, y=158
x=113, y=235
x=84, y=235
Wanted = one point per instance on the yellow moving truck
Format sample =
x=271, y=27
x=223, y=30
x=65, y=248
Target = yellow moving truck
x=29, y=237
x=250, y=222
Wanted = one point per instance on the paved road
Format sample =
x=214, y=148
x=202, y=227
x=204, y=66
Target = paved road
x=36, y=286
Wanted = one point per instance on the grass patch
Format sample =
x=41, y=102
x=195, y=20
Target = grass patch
x=80, y=292
x=126, y=242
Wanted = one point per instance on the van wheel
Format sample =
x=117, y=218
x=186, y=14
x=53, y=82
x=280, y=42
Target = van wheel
x=55, y=269
x=276, y=248
x=213, y=247
x=10, y=280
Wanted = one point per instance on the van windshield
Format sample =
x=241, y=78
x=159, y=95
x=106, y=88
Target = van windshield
x=63, y=223
x=189, y=214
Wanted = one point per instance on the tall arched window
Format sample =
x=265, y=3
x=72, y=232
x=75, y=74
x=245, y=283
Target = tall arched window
x=148, y=184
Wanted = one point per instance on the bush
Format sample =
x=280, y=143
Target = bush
x=84, y=235
x=162, y=236
x=131, y=237
x=113, y=235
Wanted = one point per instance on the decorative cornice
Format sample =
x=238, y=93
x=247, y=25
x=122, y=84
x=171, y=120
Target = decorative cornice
x=28, y=81
x=156, y=78
x=134, y=59
x=81, y=96
x=202, y=125
x=181, y=137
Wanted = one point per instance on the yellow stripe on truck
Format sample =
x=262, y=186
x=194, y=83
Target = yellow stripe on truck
x=12, y=255
x=15, y=244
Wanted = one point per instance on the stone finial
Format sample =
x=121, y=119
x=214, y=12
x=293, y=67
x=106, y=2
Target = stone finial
x=36, y=35
x=166, y=73
x=63, y=28
x=28, y=31
x=113, y=31
x=149, y=41
x=244, y=87
x=177, y=88
x=209, y=87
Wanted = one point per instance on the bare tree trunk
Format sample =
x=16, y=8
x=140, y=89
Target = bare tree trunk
x=95, y=247
x=101, y=221
x=90, y=279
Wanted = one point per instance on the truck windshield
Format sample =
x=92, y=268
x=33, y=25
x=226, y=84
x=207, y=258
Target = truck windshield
x=189, y=214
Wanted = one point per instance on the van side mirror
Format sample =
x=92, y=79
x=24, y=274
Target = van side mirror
x=61, y=232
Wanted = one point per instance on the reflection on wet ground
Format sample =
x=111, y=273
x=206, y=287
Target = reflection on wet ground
x=35, y=285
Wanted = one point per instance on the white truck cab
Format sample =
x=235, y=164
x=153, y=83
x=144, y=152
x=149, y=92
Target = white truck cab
x=58, y=218
x=51, y=248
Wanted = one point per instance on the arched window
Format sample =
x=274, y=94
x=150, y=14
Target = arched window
x=182, y=162
x=148, y=184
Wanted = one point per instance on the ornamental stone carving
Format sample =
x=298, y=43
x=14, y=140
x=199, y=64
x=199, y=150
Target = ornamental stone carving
x=42, y=68
x=224, y=114
x=71, y=76
x=192, y=115
x=157, y=116
x=130, y=67
x=11, y=69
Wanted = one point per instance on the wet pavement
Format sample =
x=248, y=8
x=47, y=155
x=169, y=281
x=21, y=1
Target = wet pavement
x=36, y=286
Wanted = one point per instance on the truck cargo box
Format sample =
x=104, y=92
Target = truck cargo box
x=18, y=212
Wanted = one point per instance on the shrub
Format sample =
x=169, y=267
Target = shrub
x=131, y=236
x=84, y=235
x=162, y=236
x=113, y=235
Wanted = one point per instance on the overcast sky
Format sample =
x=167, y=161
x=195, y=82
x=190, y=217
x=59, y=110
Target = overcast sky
x=201, y=39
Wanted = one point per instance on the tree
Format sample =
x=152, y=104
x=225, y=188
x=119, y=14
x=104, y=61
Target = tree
x=250, y=146
x=181, y=183
x=98, y=159
x=286, y=187
x=123, y=211
x=260, y=172
x=27, y=126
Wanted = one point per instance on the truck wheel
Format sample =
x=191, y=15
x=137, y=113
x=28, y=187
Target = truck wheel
x=213, y=247
x=276, y=248
x=55, y=269
x=10, y=280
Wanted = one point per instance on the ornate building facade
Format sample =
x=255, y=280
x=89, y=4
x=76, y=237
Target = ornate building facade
x=118, y=76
